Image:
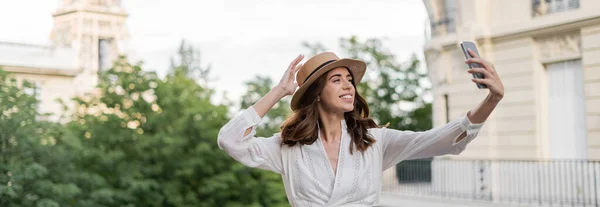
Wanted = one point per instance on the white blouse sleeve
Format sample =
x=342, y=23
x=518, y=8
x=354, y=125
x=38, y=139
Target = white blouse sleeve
x=259, y=152
x=406, y=145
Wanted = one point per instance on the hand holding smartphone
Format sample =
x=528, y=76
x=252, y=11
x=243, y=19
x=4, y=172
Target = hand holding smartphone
x=465, y=46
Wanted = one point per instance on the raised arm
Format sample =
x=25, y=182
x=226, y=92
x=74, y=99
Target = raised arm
x=285, y=87
x=494, y=84
x=452, y=137
x=237, y=136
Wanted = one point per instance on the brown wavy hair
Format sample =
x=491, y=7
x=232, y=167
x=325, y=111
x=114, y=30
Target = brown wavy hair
x=302, y=126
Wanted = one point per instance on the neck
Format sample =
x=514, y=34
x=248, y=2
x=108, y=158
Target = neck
x=331, y=128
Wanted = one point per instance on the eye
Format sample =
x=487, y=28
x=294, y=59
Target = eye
x=336, y=80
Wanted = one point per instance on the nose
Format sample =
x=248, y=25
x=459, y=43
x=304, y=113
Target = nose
x=347, y=84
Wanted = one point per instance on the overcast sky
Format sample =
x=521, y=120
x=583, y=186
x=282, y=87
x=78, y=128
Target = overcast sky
x=239, y=38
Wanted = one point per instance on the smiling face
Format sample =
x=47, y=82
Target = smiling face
x=338, y=93
x=331, y=97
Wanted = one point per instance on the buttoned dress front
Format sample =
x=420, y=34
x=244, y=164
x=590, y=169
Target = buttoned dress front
x=307, y=174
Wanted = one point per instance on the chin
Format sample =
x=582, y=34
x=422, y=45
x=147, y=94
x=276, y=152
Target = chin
x=348, y=108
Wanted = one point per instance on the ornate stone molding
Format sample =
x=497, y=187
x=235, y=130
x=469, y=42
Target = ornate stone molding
x=560, y=46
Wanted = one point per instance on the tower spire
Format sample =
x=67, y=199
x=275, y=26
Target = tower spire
x=96, y=30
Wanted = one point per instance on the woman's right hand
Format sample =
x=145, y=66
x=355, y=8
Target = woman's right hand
x=287, y=84
x=285, y=87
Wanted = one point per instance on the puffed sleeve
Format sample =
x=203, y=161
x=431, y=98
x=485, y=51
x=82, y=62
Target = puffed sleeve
x=407, y=145
x=259, y=152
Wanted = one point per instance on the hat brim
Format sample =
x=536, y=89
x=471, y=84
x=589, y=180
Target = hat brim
x=356, y=67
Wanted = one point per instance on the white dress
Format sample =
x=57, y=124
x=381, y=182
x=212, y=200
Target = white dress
x=307, y=173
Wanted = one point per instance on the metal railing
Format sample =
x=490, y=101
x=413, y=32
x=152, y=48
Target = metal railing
x=539, y=182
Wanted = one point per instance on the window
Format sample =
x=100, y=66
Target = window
x=566, y=108
x=35, y=91
x=104, y=54
x=543, y=7
x=450, y=14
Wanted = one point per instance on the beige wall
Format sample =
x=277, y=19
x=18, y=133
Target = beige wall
x=590, y=41
x=518, y=45
x=53, y=87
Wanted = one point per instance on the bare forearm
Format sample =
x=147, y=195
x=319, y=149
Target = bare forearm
x=267, y=102
x=480, y=113
x=286, y=86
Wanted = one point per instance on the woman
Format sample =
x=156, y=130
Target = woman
x=329, y=152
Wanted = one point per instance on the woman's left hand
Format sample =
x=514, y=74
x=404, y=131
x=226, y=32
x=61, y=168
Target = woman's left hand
x=491, y=78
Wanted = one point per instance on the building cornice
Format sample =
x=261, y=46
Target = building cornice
x=99, y=10
x=540, y=26
x=40, y=71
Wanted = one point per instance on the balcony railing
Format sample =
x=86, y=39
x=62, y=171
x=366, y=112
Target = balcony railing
x=539, y=182
x=544, y=7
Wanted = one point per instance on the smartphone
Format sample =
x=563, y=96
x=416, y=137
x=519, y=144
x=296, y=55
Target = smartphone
x=464, y=45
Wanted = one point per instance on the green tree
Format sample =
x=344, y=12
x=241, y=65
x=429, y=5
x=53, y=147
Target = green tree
x=32, y=160
x=254, y=187
x=108, y=131
x=145, y=141
x=188, y=62
x=151, y=142
x=138, y=140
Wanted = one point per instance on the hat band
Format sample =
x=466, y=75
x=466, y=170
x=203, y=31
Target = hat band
x=317, y=69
